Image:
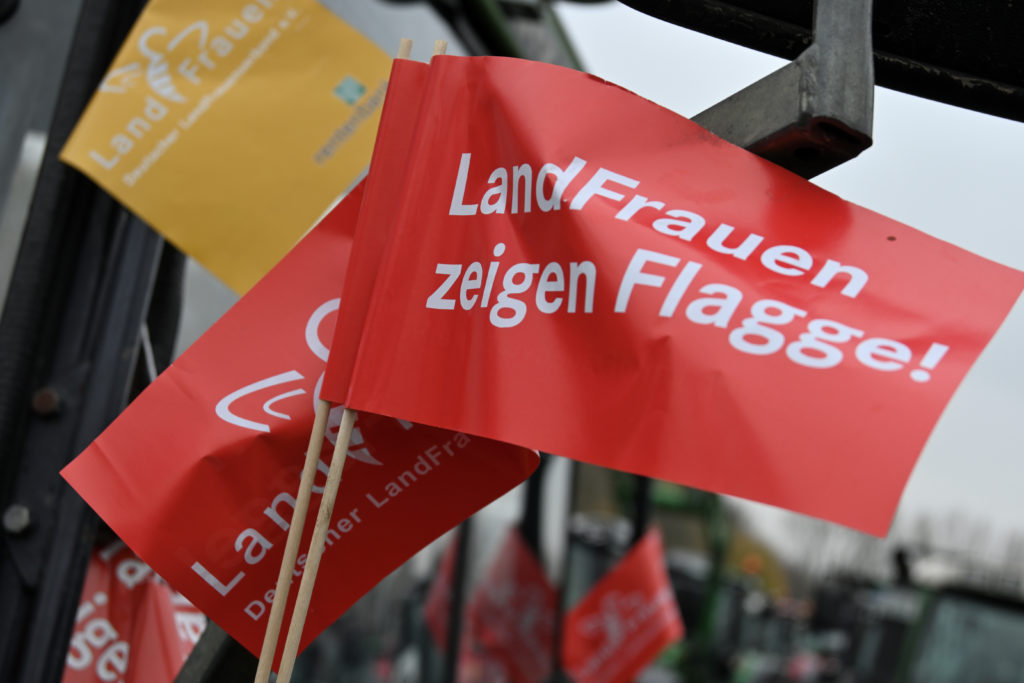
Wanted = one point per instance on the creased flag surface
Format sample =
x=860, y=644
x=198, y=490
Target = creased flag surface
x=198, y=475
x=625, y=620
x=230, y=126
x=576, y=269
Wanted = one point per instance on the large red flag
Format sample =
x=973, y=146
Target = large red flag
x=199, y=473
x=576, y=269
x=130, y=625
x=625, y=620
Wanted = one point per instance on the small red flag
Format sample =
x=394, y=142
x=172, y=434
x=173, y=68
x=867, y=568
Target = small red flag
x=476, y=662
x=399, y=119
x=513, y=612
x=625, y=620
x=199, y=473
x=130, y=625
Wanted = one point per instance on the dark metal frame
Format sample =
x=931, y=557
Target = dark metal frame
x=69, y=337
x=814, y=113
x=962, y=53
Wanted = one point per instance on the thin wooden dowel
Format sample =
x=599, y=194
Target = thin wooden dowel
x=316, y=547
x=404, y=49
x=317, y=543
x=291, y=547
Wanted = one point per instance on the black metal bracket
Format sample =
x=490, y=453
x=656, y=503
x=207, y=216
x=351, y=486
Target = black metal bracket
x=80, y=291
x=816, y=112
x=217, y=658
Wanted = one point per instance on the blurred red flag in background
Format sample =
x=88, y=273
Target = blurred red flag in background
x=130, y=625
x=625, y=620
x=512, y=612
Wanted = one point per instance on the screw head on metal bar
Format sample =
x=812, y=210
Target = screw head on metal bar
x=46, y=401
x=17, y=519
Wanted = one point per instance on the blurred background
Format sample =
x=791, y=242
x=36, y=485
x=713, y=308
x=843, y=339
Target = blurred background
x=766, y=595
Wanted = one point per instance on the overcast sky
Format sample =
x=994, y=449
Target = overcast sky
x=952, y=173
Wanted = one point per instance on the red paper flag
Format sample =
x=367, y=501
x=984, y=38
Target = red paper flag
x=513, y=613
x=399, y=117
x=130, y=627
x=625, y=620
x=476, y=662
x=199, y=474
x=576, y=269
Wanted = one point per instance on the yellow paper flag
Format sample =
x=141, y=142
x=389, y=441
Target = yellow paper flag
x=231, y=125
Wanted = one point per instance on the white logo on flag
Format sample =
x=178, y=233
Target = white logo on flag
x=119, y=80
x=357, y=449
x=158, y=73
x=224, y=405
x=625, y=623
x=616, y=612
x=157, y=68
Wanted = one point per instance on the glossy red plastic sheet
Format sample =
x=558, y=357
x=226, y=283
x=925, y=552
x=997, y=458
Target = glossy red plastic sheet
x=578, y=270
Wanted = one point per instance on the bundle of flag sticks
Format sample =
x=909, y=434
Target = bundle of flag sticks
x=323, y=518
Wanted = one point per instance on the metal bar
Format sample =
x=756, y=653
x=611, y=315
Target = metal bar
x=217, y=658
x=963, y=54
x=816, y=112
x=641, y=507
x=529, y=525
x=561, y=602
x=458, y=599
x=92, y=364
x=78, y=294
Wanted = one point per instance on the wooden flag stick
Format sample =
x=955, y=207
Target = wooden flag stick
x=291, y=547
x=316, y=547
x=291, y=550
x=404, y=49
x=331, y=487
